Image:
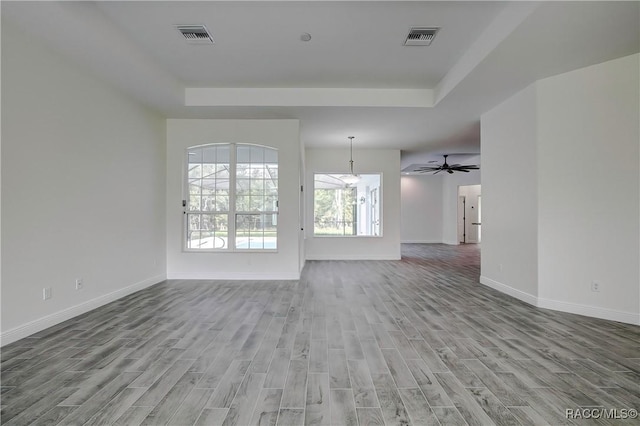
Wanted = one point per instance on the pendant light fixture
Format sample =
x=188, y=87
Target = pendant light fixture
x=351, y=178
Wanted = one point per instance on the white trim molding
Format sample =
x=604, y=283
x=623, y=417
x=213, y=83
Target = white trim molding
x=355, y=257
x=340, y=97
x=590, y=311
x=514, y=292
x=45, y=322
x=422, y=242
x=568, y=307
x=234, y=276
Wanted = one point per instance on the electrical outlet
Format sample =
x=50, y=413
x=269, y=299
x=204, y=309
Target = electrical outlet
x=595, y=286
x=79, y=284
x=46, y=293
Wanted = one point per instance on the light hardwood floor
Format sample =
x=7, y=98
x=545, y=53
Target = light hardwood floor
x=416, y=341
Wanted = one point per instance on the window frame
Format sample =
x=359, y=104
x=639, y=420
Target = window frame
x=380, y=197
x=232, y=213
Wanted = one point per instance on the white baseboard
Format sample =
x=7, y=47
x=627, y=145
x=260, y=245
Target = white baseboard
x=234, y=276
x=45, y=322
x=451, y=242
x=421, y=242
x=590, y=311
x=514, y=292
x=556, y=305
x=354, y=257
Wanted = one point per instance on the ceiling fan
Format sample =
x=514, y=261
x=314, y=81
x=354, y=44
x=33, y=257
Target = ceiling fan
x=447, y=168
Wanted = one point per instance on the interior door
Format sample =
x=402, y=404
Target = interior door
x=375, y=215
x=462, y=234
x=479, y=218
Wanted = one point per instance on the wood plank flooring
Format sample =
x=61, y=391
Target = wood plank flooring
x=416, y=341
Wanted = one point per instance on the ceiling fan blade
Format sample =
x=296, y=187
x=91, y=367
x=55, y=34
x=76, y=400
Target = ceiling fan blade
x=466, y=168
x=449, y=168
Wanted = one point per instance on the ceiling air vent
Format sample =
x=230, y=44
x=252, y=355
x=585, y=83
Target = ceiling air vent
x=195, y=34
x=420, y=36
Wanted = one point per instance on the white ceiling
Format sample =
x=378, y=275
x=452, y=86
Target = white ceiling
x=484, y=52
x=258, y=44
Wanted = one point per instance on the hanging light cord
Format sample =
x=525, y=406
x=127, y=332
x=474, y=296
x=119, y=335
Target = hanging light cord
x=351, y=154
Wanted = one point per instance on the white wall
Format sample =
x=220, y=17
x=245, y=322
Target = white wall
x=573, y=140
x=385, y=161
x=280, y=134
x=450, y=184
x=421, y=209
x=82, y=189
x=588, y=209
x=509, y=195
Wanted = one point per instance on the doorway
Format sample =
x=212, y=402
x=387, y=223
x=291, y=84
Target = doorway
x=469, y=214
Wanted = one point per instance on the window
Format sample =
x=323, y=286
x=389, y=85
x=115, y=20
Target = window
x=346, y=210
x=232, y=197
